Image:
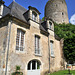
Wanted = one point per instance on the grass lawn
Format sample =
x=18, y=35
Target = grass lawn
x=63, y=72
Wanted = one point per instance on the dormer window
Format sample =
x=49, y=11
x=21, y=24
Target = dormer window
x=50, y=25
x=34, y=16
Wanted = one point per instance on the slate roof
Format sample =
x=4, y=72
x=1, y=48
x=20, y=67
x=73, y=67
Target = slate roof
x=18, y=11
x=15, y=10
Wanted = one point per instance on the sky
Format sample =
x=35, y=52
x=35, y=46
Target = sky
x=40, y=5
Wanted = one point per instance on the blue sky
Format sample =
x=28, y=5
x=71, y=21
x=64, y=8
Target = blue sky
x=40, y=4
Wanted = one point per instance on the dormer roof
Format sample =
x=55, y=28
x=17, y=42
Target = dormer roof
x=30, y=7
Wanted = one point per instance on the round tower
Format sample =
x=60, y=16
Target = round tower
x=57, y=11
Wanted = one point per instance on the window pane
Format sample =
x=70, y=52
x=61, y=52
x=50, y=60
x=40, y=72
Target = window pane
x=33, y=65
x=20, y=40
x=34, y=15
x=29, y=65
x=17, y=40
x=38, y=65
x=51, y=47
x=37, y=45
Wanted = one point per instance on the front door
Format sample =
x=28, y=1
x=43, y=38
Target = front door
x=33, y=68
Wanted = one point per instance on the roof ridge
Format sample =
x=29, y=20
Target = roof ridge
x=17, y=4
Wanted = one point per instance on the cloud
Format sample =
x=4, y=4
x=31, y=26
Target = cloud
x=72, y=19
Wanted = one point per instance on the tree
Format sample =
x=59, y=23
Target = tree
x=43, y=19
x=69, y=48
x=67, y=31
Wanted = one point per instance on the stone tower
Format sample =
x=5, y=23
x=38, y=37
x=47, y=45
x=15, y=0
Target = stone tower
x=57, y=11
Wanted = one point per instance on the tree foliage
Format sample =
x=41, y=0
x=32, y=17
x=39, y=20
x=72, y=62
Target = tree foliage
x=67, y=31
x=43, y=18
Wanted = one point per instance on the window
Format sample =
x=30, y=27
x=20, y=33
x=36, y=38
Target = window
x=55, y=5
x=62, y=13
x=20, y=40
x=51, y=48
x=71, y=62
x=37, y=45
x=62, y=1
x=34, y=16
x=34, y=65
x=50, y=25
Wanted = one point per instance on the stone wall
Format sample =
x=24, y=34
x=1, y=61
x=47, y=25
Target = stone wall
x=3, y=39
x=22, y=58
x=56, y=60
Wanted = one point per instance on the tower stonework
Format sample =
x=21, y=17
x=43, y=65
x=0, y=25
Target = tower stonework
x=57, y=11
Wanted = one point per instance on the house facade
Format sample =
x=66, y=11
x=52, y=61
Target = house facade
x=28, y=42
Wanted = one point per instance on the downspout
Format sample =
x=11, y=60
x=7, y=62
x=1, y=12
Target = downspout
x=49, y=51
x=8, y=43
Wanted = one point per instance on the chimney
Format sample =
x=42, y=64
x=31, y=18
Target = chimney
x=1, y=7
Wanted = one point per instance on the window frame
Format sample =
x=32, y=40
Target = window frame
x=36, y=51
x=52, y=48
x=50, y=25
x=20, y=40
x=34, y=16
x=36, y=64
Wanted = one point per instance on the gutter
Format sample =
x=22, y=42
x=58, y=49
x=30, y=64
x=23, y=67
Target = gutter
x=9, y=15
x=9, y=27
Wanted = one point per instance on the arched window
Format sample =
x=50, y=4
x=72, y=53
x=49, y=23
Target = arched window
x=34, y=16
x=33, y=65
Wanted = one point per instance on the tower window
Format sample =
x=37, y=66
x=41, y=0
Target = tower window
x=55, y=5
x=62, y=1
x=62, y=13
